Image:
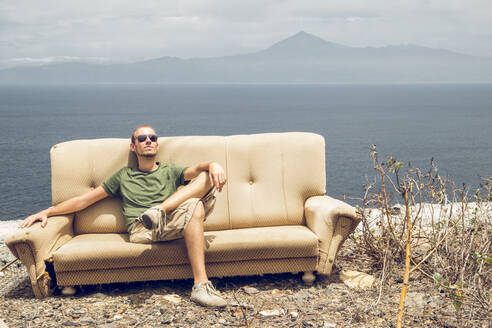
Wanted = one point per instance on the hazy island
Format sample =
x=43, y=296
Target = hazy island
x=301, y=58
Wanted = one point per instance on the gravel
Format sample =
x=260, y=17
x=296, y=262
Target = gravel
x=277, y=300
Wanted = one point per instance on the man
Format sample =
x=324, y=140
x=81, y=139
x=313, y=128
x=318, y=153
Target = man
x=154, y=208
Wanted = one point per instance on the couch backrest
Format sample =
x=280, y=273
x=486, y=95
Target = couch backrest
x=269, y=176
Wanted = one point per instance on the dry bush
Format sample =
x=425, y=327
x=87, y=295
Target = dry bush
x=450, y=231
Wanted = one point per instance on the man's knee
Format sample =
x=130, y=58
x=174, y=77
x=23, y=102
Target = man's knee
x=199, y=211
x=197, y=219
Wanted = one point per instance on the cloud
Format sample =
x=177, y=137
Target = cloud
x=28, y=61
x=354, y=19
x=127, y=30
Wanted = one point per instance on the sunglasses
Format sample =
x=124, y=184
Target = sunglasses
x=143, y=137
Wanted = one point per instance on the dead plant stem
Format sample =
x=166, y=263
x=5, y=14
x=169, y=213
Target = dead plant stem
x=406, y=275
x=435, y=247
x=386, y=207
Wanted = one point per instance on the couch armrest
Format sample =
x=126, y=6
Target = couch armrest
x=33, y=245
x=332, y=221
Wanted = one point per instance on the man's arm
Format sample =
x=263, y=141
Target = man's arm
x=215, y=172
x=71, y=205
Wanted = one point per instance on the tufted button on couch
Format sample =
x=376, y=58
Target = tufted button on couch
x=272, y=216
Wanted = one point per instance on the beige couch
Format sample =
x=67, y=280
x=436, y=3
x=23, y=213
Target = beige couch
x=272, y=216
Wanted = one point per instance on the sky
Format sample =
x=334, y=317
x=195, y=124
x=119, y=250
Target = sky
x=106, y=31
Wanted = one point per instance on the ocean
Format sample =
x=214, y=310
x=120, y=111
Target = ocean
x=449, y=122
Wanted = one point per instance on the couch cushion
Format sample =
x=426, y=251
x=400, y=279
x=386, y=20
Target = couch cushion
x=104, y=251
x=271, y=175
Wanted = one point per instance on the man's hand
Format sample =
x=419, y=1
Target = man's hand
x=217, y=175
x=40, y=216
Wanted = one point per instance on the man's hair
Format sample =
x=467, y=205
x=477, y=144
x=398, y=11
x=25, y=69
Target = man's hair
x=133, y=137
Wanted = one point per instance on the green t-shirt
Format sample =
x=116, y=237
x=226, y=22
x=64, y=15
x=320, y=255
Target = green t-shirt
x=140, y=190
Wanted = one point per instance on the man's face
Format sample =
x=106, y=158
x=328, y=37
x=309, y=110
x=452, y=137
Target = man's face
x=147, y=147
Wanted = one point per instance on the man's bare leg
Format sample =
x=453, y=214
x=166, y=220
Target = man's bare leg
x=197, y=188
x=203, y=292
x=195, y=244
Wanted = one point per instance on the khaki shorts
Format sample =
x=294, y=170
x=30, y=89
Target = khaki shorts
x=175, y=222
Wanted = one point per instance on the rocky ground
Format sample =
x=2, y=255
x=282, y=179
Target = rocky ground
x=279, y=300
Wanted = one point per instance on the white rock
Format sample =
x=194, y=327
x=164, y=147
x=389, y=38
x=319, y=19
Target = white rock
x=117, y=317
x=172, y=298
x=357, y=280
x=294, y=315
x=272, y=313
x=244, y=305
x=86, y=320
x=329, y=325
x=250, y=290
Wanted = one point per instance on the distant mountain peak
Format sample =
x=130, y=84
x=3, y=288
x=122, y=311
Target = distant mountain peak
x=303, y=40
x=304, y=34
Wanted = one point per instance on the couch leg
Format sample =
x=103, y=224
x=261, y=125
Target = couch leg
x=68, y=291
x=308, y=277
